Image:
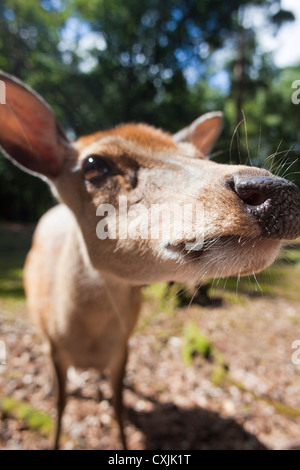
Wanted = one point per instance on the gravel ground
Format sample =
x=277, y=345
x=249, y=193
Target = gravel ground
x=248, y=399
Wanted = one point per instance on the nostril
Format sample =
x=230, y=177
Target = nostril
x=249, y=193
x=252, y=197
x=274, y=202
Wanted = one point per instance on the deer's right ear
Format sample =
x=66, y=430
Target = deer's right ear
x=203, y=132
x=29, y=132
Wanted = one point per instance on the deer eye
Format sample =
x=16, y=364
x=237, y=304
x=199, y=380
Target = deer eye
x=96, y=168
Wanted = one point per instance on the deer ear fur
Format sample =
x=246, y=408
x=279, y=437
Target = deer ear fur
x=203, y=132
x=29, y=132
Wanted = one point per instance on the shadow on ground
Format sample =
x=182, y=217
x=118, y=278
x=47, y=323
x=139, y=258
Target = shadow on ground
x=172, y=427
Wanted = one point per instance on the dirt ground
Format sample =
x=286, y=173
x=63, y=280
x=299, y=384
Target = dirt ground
x=245, y=395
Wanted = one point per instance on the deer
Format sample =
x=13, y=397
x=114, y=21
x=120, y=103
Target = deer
x=83, y=287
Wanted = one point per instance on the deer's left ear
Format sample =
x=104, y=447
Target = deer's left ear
x=203, y=132
x=29, y=132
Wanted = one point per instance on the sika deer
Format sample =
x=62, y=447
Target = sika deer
x=84, y=291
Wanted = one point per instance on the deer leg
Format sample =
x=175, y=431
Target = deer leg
x=117, y=375
x=60, y=378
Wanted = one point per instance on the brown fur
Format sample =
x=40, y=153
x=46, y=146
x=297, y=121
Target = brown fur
x=140, y=134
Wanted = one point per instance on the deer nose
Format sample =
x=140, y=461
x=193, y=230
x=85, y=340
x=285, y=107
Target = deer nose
x=274, y=202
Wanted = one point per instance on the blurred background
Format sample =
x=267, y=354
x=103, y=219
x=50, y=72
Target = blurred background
x=214, y=368
x=101, y=63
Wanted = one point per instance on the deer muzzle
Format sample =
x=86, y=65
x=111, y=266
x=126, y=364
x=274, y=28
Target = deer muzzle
x=274, y=202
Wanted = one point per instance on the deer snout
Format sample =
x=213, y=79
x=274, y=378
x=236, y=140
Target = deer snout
x=274, y=202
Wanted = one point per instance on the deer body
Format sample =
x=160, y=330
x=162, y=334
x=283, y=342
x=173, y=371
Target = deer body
x=86, y=316
x=84, y=292
x=99, y=311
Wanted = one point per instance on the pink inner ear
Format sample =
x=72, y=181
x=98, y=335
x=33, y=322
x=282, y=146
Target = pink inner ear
x=29, y=132
x=204, y=135
x=203, y=132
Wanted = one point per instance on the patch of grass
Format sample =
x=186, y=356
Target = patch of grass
x=12, y=308
x=14, y=246
x=155, y=291
x=195, y=344
x=161, y=296
x=34, y=419
x=221, y=377
x=219, y=374
x=280, y=407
